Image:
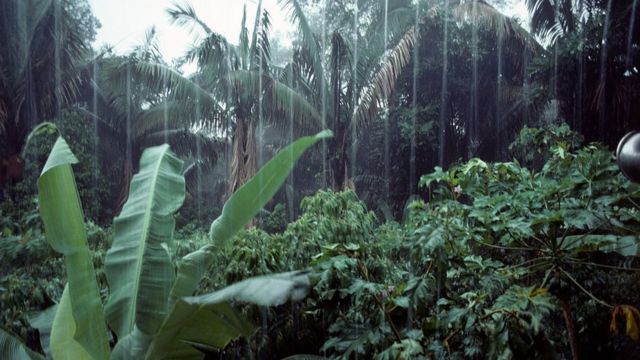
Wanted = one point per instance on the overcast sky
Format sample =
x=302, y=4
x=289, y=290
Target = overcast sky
x=124, y=22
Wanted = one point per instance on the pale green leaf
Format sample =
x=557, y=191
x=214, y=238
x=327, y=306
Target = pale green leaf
x=63, y=345
x=253, y=195
x=239, y=209
x=209, y=322
x=268, y=290
x=138, y=266
x=63, y=220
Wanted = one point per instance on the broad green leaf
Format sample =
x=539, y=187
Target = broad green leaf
x=138, y=265
x=623, y=245
x=132, y=346
x=253, y=195
x=239, y=209
x=63, y=220
x=269, y=290
x=12, y=348
x=63, y=344
x=190, y=269
x=213, y=326
x=208, y=321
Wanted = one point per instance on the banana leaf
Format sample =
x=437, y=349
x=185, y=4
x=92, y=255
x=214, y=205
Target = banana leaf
x=63, y=220
x=12, y=348
x=63, y=345
x=239, y=210
x=208, y=321
x=138, y=266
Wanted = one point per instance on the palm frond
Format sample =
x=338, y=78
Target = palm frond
x=185, y=15
x=159, y=78
x=383, y=82
x=174, y=114
x=149, y=49
x=481, y=13
x=185, y=143
x=243, y=41
x=253, y=50
x=310, y=42
x=282, y=100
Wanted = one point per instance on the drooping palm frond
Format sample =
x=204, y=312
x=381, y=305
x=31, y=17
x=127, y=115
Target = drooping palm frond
x=340, y=56
x=212, y=52
x=311, y=43
x=149, y=49
x=18, y=35
x=552, y=19
x=188, y=143
x=159, y=78
x=383, y=82
x=174, y=114
x=282, y=100
x=263, y=50
x=185, y=15
x=481, y=13
x=398, y=18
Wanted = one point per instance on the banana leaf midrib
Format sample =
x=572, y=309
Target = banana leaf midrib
x=145, y=232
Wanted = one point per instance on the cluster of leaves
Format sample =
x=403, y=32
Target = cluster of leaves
x=149, y=306
x=487, y=268
x=33, y=274
x=94, y=188
x=482, y=270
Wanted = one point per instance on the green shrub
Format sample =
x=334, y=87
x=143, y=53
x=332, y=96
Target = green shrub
x=94, y=188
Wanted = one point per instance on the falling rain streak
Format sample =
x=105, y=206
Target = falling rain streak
x=474, y=141
x=414, y=106
x=323, y=93
x=354, y=125
x=387, y=170
x=442, y=126
x=603, y=101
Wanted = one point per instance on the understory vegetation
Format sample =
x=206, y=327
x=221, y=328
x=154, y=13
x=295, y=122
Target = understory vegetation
x=502, y=261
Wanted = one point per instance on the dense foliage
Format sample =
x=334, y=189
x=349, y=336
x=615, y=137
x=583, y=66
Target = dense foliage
x=487, y=268
x=519, y=241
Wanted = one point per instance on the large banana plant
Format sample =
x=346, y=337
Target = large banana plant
x=150, y=307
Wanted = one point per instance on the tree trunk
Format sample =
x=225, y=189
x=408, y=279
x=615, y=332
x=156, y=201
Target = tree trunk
x=243, y=157
x=568, y=320
x=125, y=183
x=12, y=164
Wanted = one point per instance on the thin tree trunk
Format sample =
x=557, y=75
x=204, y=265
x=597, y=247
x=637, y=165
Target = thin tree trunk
x=568, y=320
x=127, y=175
x=243, y=158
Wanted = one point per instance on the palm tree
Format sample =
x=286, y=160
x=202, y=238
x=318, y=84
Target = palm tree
x=348, y=81
x=361, y=73
x=591, y=72
x=40, y=52
x=131, y=115
x=242, y=79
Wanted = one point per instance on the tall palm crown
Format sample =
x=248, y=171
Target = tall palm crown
x=242, y=79
x=39, y=67
x=132, y=114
